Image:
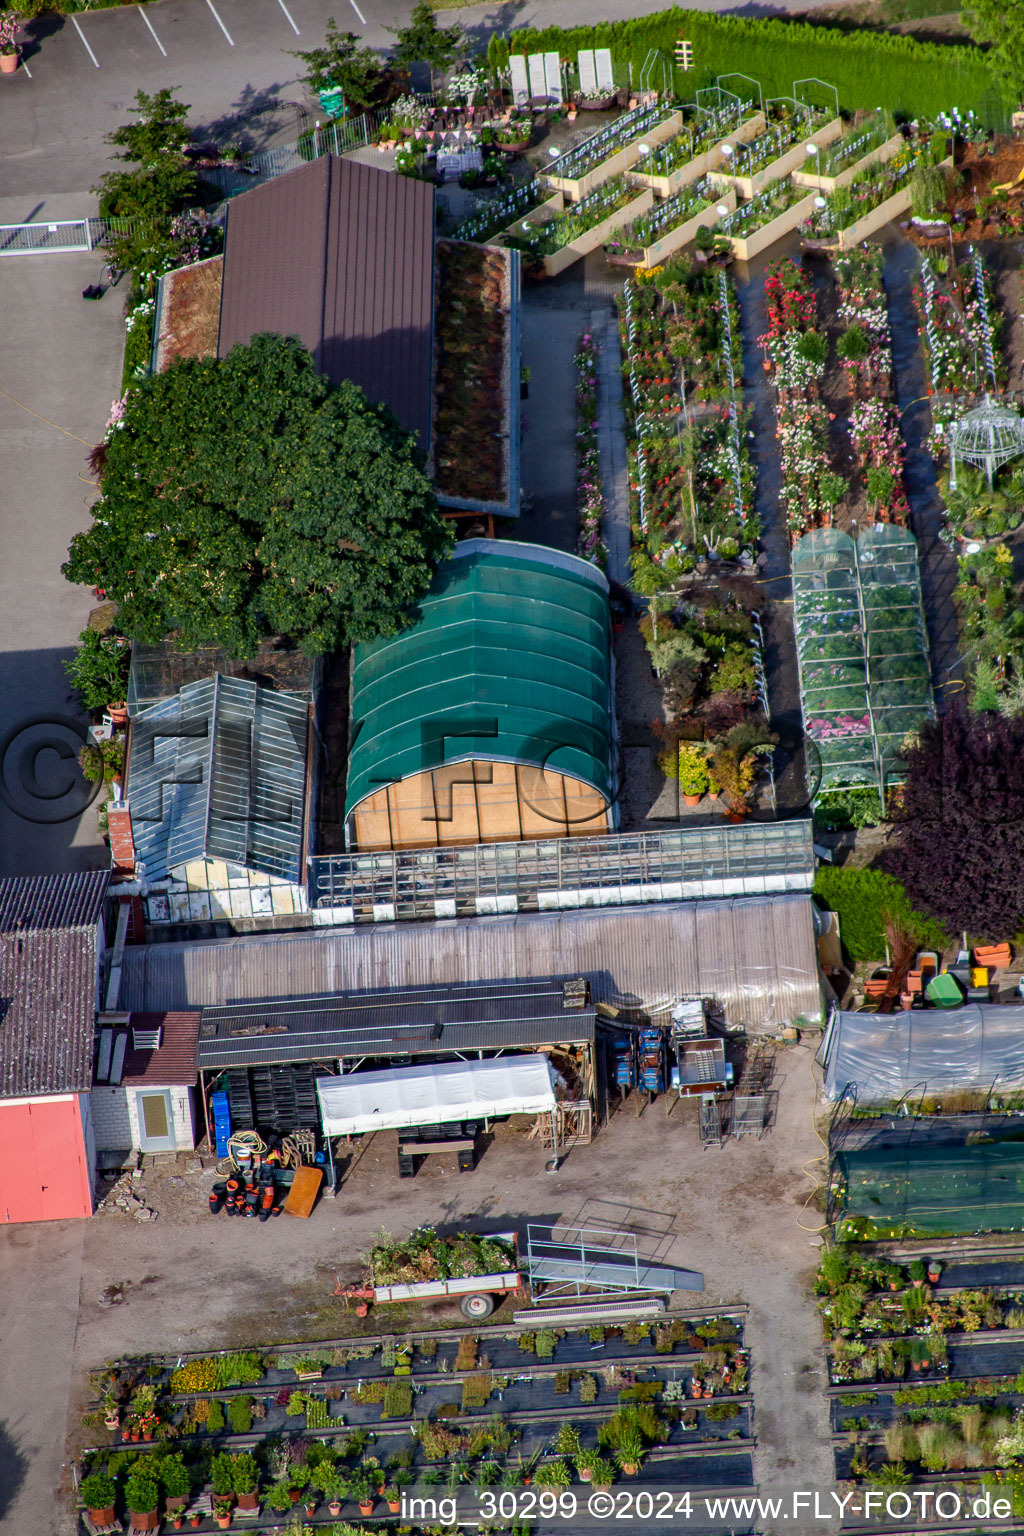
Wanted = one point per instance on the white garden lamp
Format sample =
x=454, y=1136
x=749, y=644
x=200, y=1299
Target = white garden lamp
x=811, y=151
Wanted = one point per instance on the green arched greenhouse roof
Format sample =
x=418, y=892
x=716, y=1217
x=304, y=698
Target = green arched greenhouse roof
x=509, y=660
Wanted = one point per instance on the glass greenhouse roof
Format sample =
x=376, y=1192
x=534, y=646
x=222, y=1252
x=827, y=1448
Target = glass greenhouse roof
x=862, y=651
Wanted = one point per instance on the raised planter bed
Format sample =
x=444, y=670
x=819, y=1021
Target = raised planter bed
x=591, y=239
x=705, y=161
x=785, y=165
x=878, y=156
x=892, y=208
x=745, y=248
x=684, y=234
x=576, y=188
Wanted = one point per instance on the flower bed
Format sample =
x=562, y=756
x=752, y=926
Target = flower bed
x=471, y=388
x=494, y=216
x=589, y=500
x=848, y=206
x=784, y=129
x=696, y=148
x=855, y=145
x=680, y=339
x=807, y=497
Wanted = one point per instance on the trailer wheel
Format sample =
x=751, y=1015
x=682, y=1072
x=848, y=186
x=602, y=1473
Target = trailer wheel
x=477, y=1307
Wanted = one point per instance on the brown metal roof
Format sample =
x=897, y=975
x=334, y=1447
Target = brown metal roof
x=48, y=965
x=173, y=1063
x=340, y=255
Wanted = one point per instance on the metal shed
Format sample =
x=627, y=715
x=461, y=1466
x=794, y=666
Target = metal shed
x=489, y=719
x=755, y=955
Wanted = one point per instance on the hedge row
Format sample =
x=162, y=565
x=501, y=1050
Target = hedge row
x=869, y=69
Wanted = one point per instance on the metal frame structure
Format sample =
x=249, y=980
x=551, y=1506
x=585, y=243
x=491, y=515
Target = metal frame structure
x=989, y=437
x=569, y=1260
x=626, y=869
x=738, y=75
x=826, y=85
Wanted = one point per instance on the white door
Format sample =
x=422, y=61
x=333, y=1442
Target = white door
x=156, y=1121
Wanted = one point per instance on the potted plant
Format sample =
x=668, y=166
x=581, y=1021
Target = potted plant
x=586, y=1461
x=222, y=1476
x=335, y=1490
x=222, y=1512
x=176, y=1481
x=9, y=26
x=693, y=771
x=279, y=1497
x=111, y=1411
x=553, y=1474
x=142, y=1497
x=602, y=1474
x=298, y=1476
x=393, y=1498
x=734, y=764
x=630, y=1453
x=245, y=1480
x=934, y=1271
x=918, y=1272
x=98, y=1493
x=361, y=1489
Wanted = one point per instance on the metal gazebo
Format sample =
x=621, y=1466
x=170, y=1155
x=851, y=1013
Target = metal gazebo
x=989, y=436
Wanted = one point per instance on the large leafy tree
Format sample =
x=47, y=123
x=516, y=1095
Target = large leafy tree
x=957, y=846
x=344, y=63
x=160, y=180
x=1001, y=23
x=251, y=496
x=424, y=42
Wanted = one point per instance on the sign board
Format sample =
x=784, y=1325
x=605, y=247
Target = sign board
x=603, y=63
x=553, y=76
x=588, y=75
x=684, y=54
x=520, y=86
x=538, y=80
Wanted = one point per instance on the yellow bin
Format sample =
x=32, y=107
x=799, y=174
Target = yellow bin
x=979, y=975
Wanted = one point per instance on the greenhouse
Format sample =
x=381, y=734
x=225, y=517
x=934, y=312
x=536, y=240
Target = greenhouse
x=862, y=652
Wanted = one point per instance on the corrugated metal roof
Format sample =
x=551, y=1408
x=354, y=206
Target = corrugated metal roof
x=48, y=968
x=410, y=1021
x=755, y=956
x=219, y=772
x=172, y=1064
x=513, y=641
x=53, y=901
x=342, y=256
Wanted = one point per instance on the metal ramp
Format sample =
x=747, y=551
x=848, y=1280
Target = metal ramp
x=748, y=1115
x=710, y=1121
x=586, y=1257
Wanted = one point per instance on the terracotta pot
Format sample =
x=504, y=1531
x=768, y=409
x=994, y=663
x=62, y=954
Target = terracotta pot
x=630, y=1471
x=295, y=1494
x=177, y=1501
x=101, y=1516
x=249, y=1500
x=111, y=1420
x=735, y=815
x=394, y=1506
x=366, y=1506
x=586, y=1475
x=335, y=1507
x=195, y=1521
x=223, y=1521
x=8, y=63
x=692, y=799
x=149, y=1521
x=602, y=1487
x=310, y=1507
x=178, y=1522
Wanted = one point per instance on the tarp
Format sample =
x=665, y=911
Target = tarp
x=876, y=1058
x=434, y=1095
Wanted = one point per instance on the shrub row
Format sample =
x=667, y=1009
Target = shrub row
x=869, y=69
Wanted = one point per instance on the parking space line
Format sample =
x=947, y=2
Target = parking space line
x=290, y=21
x=220, y=24
x=74, y=23
x=358, y=12
x=149, y=24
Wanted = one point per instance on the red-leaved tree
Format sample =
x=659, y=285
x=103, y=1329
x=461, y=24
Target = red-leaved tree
x=959, y=842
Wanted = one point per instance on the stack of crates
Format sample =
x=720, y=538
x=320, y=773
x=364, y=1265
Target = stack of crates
x=652, y=1059
x=625, y=1062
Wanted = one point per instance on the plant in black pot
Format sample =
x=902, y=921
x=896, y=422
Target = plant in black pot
x=98, y=1493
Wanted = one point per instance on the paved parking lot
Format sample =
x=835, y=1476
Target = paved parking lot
x=60, y=359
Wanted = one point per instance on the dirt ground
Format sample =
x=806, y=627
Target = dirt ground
x=190, y=1281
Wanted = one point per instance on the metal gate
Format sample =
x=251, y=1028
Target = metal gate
x=64, y=235
x=28, y=239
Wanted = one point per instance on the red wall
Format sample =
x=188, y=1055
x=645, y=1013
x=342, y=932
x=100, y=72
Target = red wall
x=44, y=1172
